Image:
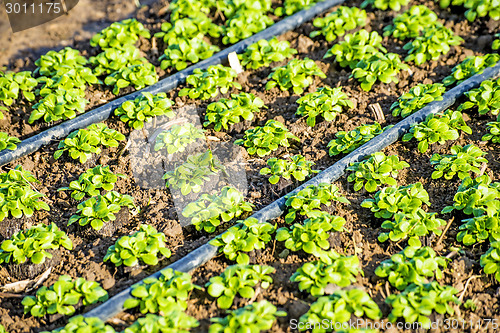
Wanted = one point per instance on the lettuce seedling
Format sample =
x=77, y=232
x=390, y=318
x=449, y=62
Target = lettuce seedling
x=144, y=108
x=479, y=229
x=187, y=8
x=112, y=60
x=496, y=43
x=375, y=171
x=461, y=162
x=238, y=280
x=486, y=98
x=120, y=34
x=11, y=84
x=62, y=296
x=188, y=29
x=297, y=74
x=392, y=200
x=58, y=104
x=243, y=24
x=8, y=142
x=298, y=168
x=190, y=176
x=470, y=67
x=226, y=112
x=325, y=102
x=394, y=5
x=416, y=98
x=310, y=199
x=266, y=139
x=78, y=324
x=231, y=8
x=139, y=76
x=207, y=83
x=438, y=127
x=490, y=261
x=101, y=209
x=168, y=292
x=431, y=44
x=174, y=322
x=186, y=51
x=411, y=23
x=381, y=67
x=245, y=237
x=33, y=244
x=337, y=23
x=81, y=144
x=493, y=135
x=412, y=265
x=291, y=7
x=57, y=63
x=255, y=317
x=346, y=142
x=263, y=53
x=178, y=137
x=417, y=302
x=475, y=8
x=333, y=268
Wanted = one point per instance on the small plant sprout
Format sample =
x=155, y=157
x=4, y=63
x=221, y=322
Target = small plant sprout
x=416, y=98
x=8, y=142
x=190, y=176
x=470, y=305
x=227, y=112
x=336, y=24
x=475, y=8
x=263, y=53
x=394, y=5
x=186, y=51
x=255, y=317
x=144, y=108
x=346, y=142
x=208, y=211
x=120, y=34
x=291, y=7
x=175, y=321
x=431, y=44
x=112, y=60
x=325, y=102
x=178, y=137
x=298, y=168
x=496, y=43
x=490, y=261
x=338, y=308
x=144, y=245
x=81, y=144
x=168, y=292
x=462, y=162
x=62, y=296
x=262, y=140
x=333, y=268
x=139, y=76
x=411, y=23
x=243, y=24
x=57, y=63
x=80, y=323
x=439, y=127
x=297, y=74
x=412, y=265
x=33, y=244
x=310, y=199
x=494, y=132
x=101, y=209
x=479, y=229
x=238, y=279
x=375, y=171
x=188, y=29
x=92, y=181
x=417, y=302
x=470, y=67
x=11, y=84
x=486, y=98
x=207, y=83
x=382, y=67
x=245, y=237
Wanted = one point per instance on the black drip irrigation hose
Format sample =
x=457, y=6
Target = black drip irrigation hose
x=204, y=253
x=103, y=112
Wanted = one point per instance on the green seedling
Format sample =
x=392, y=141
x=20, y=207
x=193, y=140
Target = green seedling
x=11, y=84
x=58, y=104
x=175, y=321
x=490, y=261
x=244, y=24
x=475, y=8
x=56, y=63
x=231, y=8
x=263, y=53
x=297, y=74
x=462, y=162
x=346, y=142
x=207, y=83
x=470, y=67
x=493, y=135
x=298, y=168
x=78, y=324
x=382, y=67
x=486, y=98
x=496, y=43
x=188, y=29
x=416, y=98
x=178, y=137
x=479, y=229
x=186, y=8
x=336, y=24
x=8, y=142
x=291, y=7
x=394, y=5
x=120, y=34
x=145, y=108
x=185, y=52
x=137, y=75
x=411, y=23
x=111, y=60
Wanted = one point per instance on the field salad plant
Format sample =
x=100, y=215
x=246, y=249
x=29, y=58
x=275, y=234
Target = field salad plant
x=490, y=261
x=120, y=34
x=185, y=52
x=12, y=85
x=475, y=8
x=297, y=74
x=8, y=142
x=178, y=137
x=346, y=142
x=494, y=132
x=188, y=29
x=411, y=23
x=381, y=67
x=264, y=52
x=337, y=23
x=112, y=60
x=144, y=108
x=58, y=104
x=416, y=98
x=462, y=162
x=470, y=67
x=80, y=323
x=291, y=7
x=175, y=321
x=138, y=75
x=486, y=98
x=479, y=229
x=394, y=5
x=207, y=83
x=297, y=168
x=243, y=24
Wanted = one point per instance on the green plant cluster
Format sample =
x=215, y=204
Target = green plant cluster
x=308, y=200
x=470, y=67
x=496, y=43
x=479, y=229
x=112, y=60
x=255, y=317
x=375, y=171
x=78, y=324
x=411, y=23
x=191, y=175
x=34, y=244
x=144, y=245
x=247, y=236
x=185, y=8
x=178, y=137
x=462, y=162
x=297, y=74
x=346, y=142
x=92, y=181
x=226, y=112
x=208, y=211
x=101, y=209
x=416, y=98
x=333, y=268
x=12, y=84
x=264, y=52
x=144, y=108
x=265, y=139
x=298, y=168
x=412, y=265
x=325, y=102
x=139, y=76
x=394, y=5
x=62, y=296
x=8, y=142
x=243, y=24
x=494, y=132
x=486, y=98
x=438, y=127
x=81, y=144
x=337, y=23
x=175, y=322
x=382, y=67
x=475, y=8
x=238, y=280
x=207, y=83
x=120, y=34
x=186, y=51
x=490, y=261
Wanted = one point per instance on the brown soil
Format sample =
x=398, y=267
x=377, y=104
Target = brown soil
x=157, y=208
